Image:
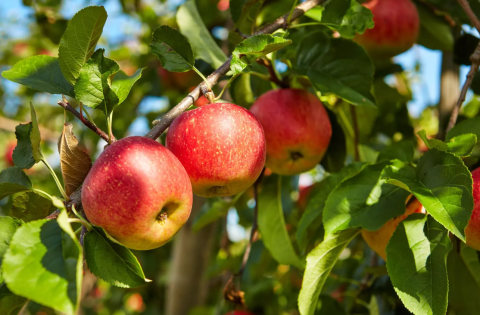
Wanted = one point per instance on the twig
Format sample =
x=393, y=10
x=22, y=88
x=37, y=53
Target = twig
x=239, y=32
x=53, y=215
x=273, y=76
x=356, y=132
x=213, y=78
x=85, y=121
x=474, y=58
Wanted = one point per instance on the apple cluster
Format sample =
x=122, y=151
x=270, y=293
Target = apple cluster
x=141, y=192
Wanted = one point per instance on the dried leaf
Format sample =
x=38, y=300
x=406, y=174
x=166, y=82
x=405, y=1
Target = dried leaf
x=74, y=162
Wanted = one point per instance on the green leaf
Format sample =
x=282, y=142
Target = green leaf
x=316, y=204
x=172, y=49
x=203, y=45
x=442, y=184
x=10, y=304
x=35, y=137
x=79, y=40
x=320, y=262
x=364, y=200
x=13, y=180
x=212, y=210
x=348, y=17
x=435, y=32
x=44, y=264
x=31, y=205
x=337, y=66
x=8, y=226
x=464, y=287
x=334, y=159
x=471, y=125
x=40, y=73
x=93, y=86
x=417, y=264
x=23, y=153
x=403, y=151
x=252, y=48
x=241, y=91
x=271, y=223
x=122, y=84
x=111, y=261
x=244, y=14
x=329, y=306
x=461, y=145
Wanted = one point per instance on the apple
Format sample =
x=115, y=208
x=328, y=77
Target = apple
x=222, y=147
x=297, y=129
x=378, y=240
x=138, y=192
x=9, y=153
x=396, y=28
x=472, y=232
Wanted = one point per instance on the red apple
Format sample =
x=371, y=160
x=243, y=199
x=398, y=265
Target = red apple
x=378, y=240
x=9, y=152
x=396, y=28
x=472, y=232
x=138, y=192
x=297, y=129
x=222, y=147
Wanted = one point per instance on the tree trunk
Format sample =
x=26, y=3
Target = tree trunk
x=187, y=284
x=449, y=90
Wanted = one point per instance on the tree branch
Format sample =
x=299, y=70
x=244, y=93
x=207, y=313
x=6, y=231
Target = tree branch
x=474, y=58
x=86, y=122
x=273, y=76
x=213, y=78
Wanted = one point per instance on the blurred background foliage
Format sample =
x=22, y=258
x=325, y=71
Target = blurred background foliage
x=406, y=100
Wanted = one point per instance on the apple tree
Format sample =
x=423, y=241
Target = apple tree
x=286, y=121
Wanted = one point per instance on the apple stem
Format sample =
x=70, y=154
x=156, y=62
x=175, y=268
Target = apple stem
x=55, y=178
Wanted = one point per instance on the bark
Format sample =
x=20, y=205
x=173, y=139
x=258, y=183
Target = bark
x=188, y=284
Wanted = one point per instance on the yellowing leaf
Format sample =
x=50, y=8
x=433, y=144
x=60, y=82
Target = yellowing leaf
x=74, y=162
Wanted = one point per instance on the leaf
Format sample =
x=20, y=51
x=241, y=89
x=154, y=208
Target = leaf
x=435, y=32
x=244, y=14
x=241, y=91
x=10, y=304
x=337, y=66
x=74, y=163
x=320, y=262
x=316, y=204
x=334, y=159
x=442, y=184
x=13, y=180
x=35, y=137
x=403, y=151
x=471, y=125
x=461, y=145
x=212, y=210
x=40, y=73
x=111, y=261
x=348, y=17
x=93, y=87
x=364, y=200
x=252, y=48
x=203, y=45
x=23, y=154
x=271, y=223
x=44, y=264
x=31, y=205
x=79, y=40
x=329, y=306
x=417, y=264
x=464, y=288
x=122, y=84
x=172, y=49
x=8, y=226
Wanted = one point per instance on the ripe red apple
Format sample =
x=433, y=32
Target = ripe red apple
x=222, y=147
x=297, y=129
x=472, y=232
x=378, y=240
x=138, y=192
x=396, y=28
x=9, y=152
